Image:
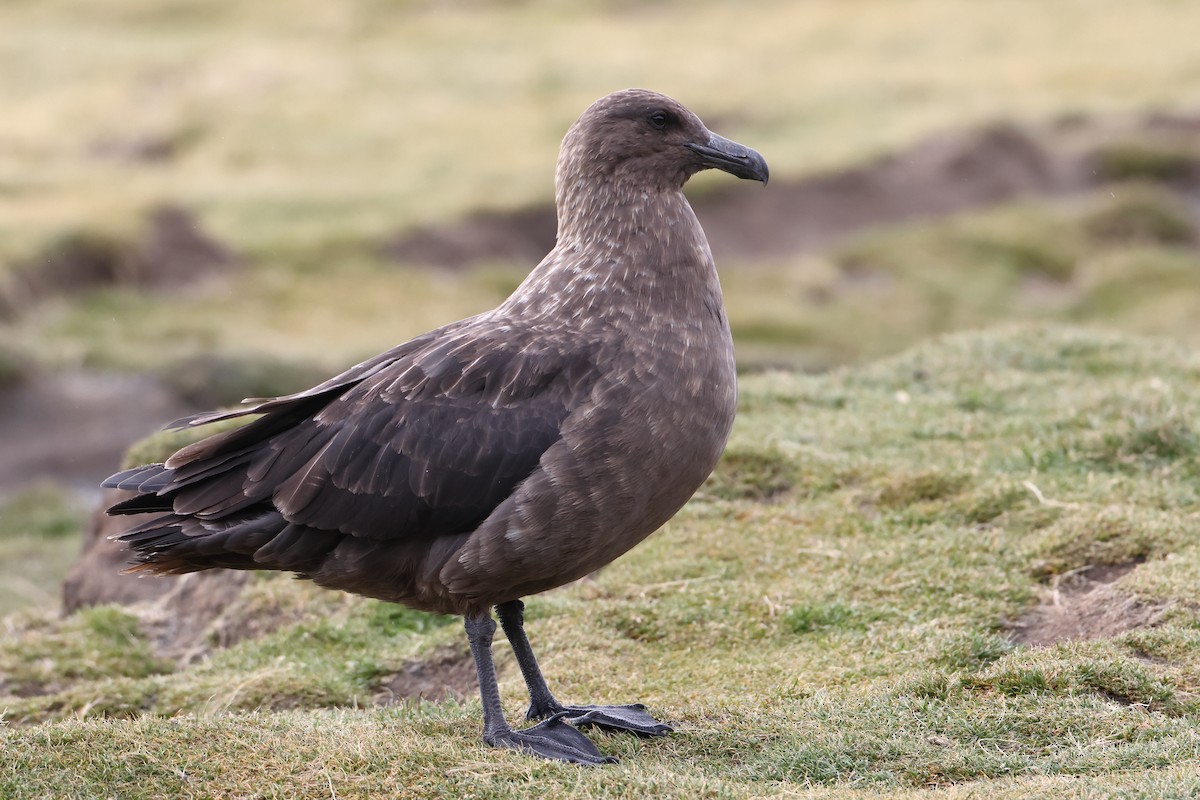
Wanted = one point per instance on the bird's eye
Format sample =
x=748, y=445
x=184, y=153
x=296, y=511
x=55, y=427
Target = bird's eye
x=659, y=119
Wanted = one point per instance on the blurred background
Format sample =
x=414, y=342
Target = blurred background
x=207, y=200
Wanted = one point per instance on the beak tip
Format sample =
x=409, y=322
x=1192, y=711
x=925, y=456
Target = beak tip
x=758, y=168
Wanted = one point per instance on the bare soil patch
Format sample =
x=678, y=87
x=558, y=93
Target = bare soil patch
x=1084, y=605
x=448, y=673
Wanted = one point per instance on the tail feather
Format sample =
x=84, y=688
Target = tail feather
x=214, y=513
x=174, y=544
x=141, y=504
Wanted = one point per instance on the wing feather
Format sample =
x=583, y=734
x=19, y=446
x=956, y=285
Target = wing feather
x=424, y=441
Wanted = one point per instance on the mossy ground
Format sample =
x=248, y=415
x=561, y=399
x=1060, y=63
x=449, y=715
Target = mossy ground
x=828, y=617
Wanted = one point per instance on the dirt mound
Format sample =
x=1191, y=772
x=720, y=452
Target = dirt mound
x=170, y=249
x=943, y=174
x=1085, y=605
x=523, y=235
x=96, y=578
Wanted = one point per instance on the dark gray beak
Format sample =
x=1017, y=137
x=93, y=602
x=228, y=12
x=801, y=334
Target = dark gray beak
x=720, y=153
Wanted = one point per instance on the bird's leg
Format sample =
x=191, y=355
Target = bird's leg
x=541, y=703
x=551, y=738
x=631, y=718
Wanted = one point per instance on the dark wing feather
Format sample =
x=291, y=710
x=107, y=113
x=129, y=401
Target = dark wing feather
x=426, y=452
x=424, y=442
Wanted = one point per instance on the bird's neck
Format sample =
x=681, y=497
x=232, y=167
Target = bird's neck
x=593, y=210
x=642, y=250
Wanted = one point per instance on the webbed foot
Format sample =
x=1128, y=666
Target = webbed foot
x=631, y=718
x=552, y=739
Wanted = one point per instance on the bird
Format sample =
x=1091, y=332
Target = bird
x=505, y=454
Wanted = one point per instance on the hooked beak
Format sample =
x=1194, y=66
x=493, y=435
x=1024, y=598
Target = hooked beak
x=720, y=153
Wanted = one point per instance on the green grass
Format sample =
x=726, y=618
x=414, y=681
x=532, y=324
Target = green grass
x=826, y=619
x=1122, y=257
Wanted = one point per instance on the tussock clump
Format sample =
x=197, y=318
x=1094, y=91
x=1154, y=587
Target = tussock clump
x=924, y=486
x=638, y=624
x=983, y=507
x=752, y=474
x=1145, y=160
x=1141, y=214
x=774, y=472
x=1099, y=669
x=1153, y=439
x=972, y=651
x=816, y=617
x=1114, y=535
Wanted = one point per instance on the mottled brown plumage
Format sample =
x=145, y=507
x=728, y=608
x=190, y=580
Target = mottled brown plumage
x=504, y=454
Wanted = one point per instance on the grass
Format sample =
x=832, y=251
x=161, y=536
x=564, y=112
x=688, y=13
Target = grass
x=302, y=136
x=1123, y=257
x=39, y=539
x=388, y=98
x=826, y=619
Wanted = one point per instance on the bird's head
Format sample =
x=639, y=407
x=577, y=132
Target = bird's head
x=650, y=140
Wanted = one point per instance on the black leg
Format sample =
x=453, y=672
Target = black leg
x=552, y=738
x=541, y=703
x=631, y=718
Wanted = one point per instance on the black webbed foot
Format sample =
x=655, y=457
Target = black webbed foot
x=552, y=739
x=631, y=718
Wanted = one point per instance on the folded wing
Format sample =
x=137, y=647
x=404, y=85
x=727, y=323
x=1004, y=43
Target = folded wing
x=424, y=441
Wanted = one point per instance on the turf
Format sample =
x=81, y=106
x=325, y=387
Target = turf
x=837, y=613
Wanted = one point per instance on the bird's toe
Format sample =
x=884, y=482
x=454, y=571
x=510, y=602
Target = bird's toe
x=555, y=740
x=631, y=718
